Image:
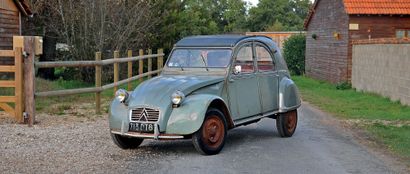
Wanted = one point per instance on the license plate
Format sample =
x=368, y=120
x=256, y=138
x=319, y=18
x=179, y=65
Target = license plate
x=141, y=127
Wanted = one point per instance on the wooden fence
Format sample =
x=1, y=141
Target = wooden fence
x=16, y=83
x=26, y=48
x=98, y=63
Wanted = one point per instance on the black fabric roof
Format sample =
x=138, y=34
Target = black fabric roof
x=211, y=41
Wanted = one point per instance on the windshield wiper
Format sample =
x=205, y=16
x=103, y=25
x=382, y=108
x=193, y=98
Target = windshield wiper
x=203, y=60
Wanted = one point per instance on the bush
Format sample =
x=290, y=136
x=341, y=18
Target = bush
x=294, y=53
x=344, y=86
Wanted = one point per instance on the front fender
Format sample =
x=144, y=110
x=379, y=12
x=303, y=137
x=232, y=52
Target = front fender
x=288, y=95
x=188, y=118
x=118, y=115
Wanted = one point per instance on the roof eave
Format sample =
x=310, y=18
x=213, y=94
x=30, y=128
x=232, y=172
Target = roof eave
x=23, y=7
x=310, y=14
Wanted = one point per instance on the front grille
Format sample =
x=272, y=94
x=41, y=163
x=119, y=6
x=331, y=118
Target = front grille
x=144, y=115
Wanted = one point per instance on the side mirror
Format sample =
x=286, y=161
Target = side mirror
x=237, y=70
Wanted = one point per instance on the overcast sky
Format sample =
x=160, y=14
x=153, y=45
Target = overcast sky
x=253, y=2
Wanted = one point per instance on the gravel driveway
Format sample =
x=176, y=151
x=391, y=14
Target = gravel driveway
x=85, y=147
x=74, y=148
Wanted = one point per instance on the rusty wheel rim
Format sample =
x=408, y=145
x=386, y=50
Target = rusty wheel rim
x=213, y=131
x=291, y=121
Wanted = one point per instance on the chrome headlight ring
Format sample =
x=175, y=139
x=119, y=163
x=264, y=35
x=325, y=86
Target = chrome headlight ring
x=177, y=98
x=121, y=95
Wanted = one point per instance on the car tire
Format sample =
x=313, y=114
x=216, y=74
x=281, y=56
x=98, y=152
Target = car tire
x=210, y=138
x=126, y=142
x=286, y=123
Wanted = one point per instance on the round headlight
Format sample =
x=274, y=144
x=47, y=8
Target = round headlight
x=177, y=97
x=121, y=95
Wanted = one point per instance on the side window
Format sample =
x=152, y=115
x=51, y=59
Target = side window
x=264, y=59
x=245, y=60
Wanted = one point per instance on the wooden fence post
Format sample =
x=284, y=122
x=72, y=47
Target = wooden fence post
x=98, y=73
x=141, y=64
x=160, y=59
x=149, y=63
x=18, y=88
x=129, y=87
x=29, y=79
x=116, y=71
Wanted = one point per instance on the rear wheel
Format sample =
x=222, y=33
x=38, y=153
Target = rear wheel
x=210, y=138
x=126, y=142
x=286, y=123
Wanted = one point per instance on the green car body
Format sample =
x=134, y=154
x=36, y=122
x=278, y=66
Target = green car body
x=241, y=97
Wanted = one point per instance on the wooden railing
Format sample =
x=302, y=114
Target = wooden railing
x=16, y=83
x=26, y=48
x=98, y=63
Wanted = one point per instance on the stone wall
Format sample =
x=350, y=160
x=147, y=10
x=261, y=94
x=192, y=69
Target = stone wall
x=383, y=68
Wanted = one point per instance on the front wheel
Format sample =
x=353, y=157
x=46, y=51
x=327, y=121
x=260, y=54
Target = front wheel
x=286, y=123
x=126, y=142
x=210, y=138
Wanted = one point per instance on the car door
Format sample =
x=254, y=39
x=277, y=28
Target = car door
x=268, y=78
x=243, y=86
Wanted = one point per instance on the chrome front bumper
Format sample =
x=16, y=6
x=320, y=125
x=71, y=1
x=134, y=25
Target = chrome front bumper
x=156, y=135
x=151, y=136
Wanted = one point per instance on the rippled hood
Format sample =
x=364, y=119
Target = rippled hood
x=157, y=91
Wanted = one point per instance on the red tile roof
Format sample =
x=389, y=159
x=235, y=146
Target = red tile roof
x=380, y=7
x=369, y=7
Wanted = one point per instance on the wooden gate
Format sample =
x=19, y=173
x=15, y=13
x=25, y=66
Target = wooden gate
x=16, y=83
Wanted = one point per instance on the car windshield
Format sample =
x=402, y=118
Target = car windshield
x=197, y=58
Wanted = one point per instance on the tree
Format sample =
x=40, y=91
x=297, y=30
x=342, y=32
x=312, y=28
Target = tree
x=234, y=16
x=289, y=13
x=196, y=17
x=277, y=26
x=87, y=26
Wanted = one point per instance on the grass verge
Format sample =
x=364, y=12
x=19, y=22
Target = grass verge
x=387, y=121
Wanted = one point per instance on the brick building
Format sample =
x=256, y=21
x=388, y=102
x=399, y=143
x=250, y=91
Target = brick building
x=332, y=26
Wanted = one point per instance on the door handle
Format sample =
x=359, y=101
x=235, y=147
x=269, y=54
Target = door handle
x=231, y=80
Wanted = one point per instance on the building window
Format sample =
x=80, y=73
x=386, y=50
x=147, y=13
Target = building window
x=402, y=33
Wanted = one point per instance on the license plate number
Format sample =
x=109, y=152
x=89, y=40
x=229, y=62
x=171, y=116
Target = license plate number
x=141, y=127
